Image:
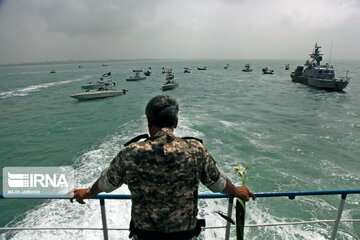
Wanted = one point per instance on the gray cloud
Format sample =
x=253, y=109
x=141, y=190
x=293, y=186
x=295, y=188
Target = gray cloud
x=41, y=30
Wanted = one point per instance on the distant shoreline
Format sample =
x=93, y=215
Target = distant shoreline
x=145, y=59
x=71, y=62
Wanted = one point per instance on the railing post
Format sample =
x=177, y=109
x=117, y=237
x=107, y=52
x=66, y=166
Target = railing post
x=229, y=213
x=103, y=218
x=339, y=213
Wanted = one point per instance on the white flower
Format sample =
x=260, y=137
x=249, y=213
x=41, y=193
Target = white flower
x=240, y=169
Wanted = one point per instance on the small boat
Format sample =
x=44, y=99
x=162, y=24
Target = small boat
x=287, y=66
x=186, y=70
x=52, y=71
x=103, y=92
x=80, y=66
x=148, y=72
x=267, y=70
x=137, y=70
x=247, y=68
x=203, y=68
x=226, y=66
x=313, y=74
x=100, y=93
x=169, y=76
x=137, y=77
x=169, y=85
x=104, y=65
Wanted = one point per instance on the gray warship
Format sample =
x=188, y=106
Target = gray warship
x=313, y=74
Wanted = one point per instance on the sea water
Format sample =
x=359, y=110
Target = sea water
x=294, y=137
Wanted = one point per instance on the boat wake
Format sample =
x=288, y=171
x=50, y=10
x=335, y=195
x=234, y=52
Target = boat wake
x=61, y=213
x=20, y=92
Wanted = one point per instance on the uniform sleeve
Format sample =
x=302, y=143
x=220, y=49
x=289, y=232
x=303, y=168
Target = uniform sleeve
x=212, y=176
x=113, y=176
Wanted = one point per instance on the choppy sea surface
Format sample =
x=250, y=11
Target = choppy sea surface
x=294, y=137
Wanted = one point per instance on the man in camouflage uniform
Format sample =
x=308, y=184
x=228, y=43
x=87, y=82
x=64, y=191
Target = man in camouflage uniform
x=163, y=175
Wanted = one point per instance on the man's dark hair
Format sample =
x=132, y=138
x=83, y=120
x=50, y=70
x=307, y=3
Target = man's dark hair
x=162, y=111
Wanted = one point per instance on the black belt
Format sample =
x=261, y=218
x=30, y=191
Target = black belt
x=154, y=235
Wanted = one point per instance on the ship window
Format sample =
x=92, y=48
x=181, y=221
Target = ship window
x=320, y=71
x=326, y=71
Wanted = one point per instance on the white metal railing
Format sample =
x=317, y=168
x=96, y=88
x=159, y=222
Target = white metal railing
x=290, y=195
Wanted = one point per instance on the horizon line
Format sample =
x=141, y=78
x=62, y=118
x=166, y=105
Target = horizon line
x=147, y=59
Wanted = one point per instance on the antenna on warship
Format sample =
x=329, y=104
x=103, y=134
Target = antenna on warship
x=330, y=51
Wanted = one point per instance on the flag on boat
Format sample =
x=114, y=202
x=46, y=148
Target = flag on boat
x=107, y=74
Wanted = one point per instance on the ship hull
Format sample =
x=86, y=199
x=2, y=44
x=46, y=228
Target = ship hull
x=136, y=79
x=98, y=94
x=299, y=79
x=170, y=86
x=328, y=84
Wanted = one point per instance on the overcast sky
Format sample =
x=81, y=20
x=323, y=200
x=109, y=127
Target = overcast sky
x=50, y=30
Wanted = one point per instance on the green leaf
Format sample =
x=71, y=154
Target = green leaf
x=240, y=219
x=226, y=218
x=242, y=202
x=240, y=206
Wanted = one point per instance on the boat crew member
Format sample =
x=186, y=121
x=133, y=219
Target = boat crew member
x=163, y=174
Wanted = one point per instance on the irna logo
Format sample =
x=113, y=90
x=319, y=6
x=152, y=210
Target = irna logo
x=16, y=180
x=29, y=181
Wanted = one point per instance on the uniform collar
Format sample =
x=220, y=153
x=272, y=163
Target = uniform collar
x=164, y=131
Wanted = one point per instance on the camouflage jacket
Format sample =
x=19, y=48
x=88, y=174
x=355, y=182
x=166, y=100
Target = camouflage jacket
x=163, y=174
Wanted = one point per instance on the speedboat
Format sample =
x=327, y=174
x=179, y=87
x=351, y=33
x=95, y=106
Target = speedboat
x=186, y=70
x=201, y=68
x=52, y=71
x=226, y=66
x=287, y=66
x=247, y=68
x=100, y=93
x=314, y=74
x=137, y=77
x=267, y=70
x=170, y=84
x=148, y=72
